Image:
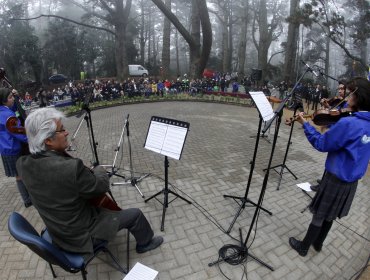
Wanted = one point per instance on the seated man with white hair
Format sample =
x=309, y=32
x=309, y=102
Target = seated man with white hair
x=61, y=188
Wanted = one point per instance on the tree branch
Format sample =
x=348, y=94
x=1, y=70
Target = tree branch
x=69, y=20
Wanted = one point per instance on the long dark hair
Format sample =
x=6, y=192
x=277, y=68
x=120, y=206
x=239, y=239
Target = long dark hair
x=360, y=88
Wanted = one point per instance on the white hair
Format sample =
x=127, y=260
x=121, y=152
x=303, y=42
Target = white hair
x=40, y=125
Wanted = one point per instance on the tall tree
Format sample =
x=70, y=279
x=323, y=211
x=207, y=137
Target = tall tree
x=61, y=49
x=166, y=55
x=292, y=41
x=225, y=13
x=19, y=47
x=243, y=38
x=335, y=26
x=268, y=30
x=199, y=53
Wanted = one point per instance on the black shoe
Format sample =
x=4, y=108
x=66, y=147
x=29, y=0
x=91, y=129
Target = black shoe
x=28, y=204
x=315, y=188
x=317, y=247
x=297, y=245
x=154, y=243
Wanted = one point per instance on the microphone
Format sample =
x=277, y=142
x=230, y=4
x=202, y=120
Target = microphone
x=309, y=68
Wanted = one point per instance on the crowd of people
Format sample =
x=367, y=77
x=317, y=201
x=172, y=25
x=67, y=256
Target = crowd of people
x=109, y=89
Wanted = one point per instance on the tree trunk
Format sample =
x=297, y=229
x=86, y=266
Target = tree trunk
x=166, y=58
x=142, y=33
x=198, y=56
x=292, y=43
x=121, y=56
x=327, y=56
x=243, y=40
x=195, y=34
x=264, y=42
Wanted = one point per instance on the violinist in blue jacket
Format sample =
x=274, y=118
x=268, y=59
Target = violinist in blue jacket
x=10, y=143
x=347, y=143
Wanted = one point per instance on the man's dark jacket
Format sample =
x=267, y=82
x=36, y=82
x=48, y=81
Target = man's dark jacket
x=60, y=188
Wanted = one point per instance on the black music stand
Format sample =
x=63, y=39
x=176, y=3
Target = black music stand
x=267, y=126
x=283, y=165
x=166, y=137
x=243, y=250
x=265, y=110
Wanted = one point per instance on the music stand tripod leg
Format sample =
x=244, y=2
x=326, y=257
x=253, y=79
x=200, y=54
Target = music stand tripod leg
x=165, y=191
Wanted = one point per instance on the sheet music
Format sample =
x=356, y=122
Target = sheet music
x=305, y=186
x=141, y=272
x=166, y=138
x=263, y=105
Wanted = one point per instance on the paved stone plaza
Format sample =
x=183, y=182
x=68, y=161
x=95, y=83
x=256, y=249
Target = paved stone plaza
x=215, y=161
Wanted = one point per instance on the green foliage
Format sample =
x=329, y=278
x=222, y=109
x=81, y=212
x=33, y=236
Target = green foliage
x=19, y=49
x=61, y=50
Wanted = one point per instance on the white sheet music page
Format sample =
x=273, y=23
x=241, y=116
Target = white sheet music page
x=141, y=272
x=166, y=139
x=156, y=136
x=305, y=186
x=174, y=141
x=262, y=104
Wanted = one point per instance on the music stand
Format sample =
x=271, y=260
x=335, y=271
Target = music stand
x=279, y=110
x=166, y=137
x=265, y=112
x=243, y=251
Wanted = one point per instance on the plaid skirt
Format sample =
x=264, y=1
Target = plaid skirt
x=9, y=165
x=333, y=199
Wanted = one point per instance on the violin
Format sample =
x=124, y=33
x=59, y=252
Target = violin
x=324, y=117
x=12, y=123
x=13, y=126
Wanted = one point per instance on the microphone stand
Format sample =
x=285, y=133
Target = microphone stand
x=132, y=180
x=70, y=147
x=90, y=129
x=326, y=75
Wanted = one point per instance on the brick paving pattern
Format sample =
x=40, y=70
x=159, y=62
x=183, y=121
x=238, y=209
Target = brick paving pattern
x=215, y=161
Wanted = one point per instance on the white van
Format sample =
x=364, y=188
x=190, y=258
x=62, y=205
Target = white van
x=137, y=70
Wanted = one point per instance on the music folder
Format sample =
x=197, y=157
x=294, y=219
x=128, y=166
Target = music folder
x=166, y=136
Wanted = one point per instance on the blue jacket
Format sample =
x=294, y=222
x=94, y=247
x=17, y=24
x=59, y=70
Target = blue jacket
x=347, y=143
x=10, y=143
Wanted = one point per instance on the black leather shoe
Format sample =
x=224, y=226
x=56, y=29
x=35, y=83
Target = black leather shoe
x=28, y=204
x=317, y=247
x=315, y=188
x=297, y=245
x=154, y=243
